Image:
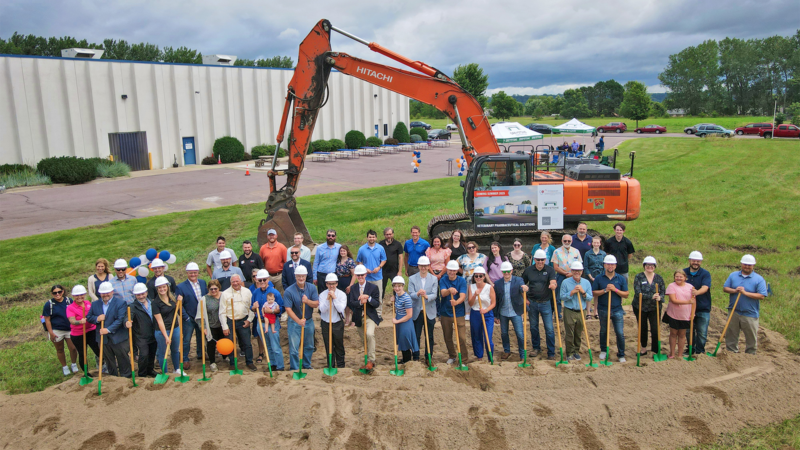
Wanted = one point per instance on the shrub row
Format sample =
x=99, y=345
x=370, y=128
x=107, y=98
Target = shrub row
x=75, y=170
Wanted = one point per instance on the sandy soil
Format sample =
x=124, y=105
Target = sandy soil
x=660, y=405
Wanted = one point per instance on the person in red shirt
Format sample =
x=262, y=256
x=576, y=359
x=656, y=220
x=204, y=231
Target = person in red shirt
x=273, y=253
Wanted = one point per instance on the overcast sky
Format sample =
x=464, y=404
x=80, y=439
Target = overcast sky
x=526, y=47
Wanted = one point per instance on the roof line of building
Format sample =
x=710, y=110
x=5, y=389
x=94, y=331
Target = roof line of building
x=136, y=62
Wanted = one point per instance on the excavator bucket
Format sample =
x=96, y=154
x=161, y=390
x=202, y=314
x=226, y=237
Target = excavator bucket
x=286, y=221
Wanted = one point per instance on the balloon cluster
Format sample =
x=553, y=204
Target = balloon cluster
x=461, y=162
x=139, y=265
x=416, y=160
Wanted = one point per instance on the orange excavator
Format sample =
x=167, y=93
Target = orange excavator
x=506, y=195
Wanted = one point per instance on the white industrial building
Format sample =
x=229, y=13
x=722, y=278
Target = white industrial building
x=78, y=106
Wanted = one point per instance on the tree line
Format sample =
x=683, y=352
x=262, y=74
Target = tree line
x=30, y=44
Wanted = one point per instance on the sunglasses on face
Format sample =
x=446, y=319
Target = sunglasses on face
x=331, y=235
x=517, y=245
x=506, y=271
x=57, y=292
x=295, y=253
x=471, y=247
x=261, y=280
x=477, y=276
x=212, y=289
x=120, y=270
x=538, y=260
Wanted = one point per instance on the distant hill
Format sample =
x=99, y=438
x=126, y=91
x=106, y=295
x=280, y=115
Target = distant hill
x=658, y=97
x=524, y=98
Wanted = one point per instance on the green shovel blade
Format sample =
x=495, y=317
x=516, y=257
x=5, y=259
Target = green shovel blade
x=235, y=370
x=461, y=365
x=396, y=372
x=658, y=357
x=431, y=367
x=163, y=376
x=204, y=375
x=524, y=362
x=299, y=375
x=364, y=371
x=183, y=378
x=561, y=349
x=591, y=360
x=715, y=350
x=330, y=370
x=85, y=379
x=689, y=358
x=606, y=362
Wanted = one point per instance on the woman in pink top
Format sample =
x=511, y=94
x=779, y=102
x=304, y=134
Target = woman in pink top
x=679, y=312
x=76, y=314
x=438, y=256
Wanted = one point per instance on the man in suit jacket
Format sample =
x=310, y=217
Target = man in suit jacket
x=111, y=313
x=423, y=283
x=508, y=292
x=190, y=292
x=287, y=276
x=144, y=339
x=365, y=295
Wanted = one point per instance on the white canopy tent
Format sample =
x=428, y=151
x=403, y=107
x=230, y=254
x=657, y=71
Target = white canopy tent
x=577, y=127
x=513, y=132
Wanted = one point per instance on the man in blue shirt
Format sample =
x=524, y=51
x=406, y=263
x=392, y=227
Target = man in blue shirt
x=373, y=256
x=453, y=292
x=508, y=292
x=614, y=285
x=123, y=283
x=297, y=298
x=750, y=288
x=414, y=248
x=325, y=258
x=273, y=344
x=700, y=279
x=574, y=308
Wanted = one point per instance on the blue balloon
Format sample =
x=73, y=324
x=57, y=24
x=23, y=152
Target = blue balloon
x=151, y=254
x=419, y=161
x=164, y=255
x=460, y=174
x=416, y=170
x=135, y=262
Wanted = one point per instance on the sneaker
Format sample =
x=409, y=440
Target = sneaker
x=252, y=367
x=178, y=372
x=187, y=365
x=451, y=361
x=535, y=353
x=504, y=356
x=577, y=357
x=75, y=368
x=213, y=367
x=571, y=358
x=602, y=356
x=552, y=358
x=66, y=371
x=622, y=360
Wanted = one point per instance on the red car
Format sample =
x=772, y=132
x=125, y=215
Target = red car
x=753, y=128
x=616, y=127
x=657, y=129
x=785, y=130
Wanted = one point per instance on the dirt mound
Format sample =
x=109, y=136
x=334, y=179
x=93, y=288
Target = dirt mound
x=673, y=403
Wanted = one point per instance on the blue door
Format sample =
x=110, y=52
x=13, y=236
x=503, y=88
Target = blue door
x=189, y=155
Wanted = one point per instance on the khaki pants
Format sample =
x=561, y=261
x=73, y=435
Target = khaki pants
x=573, y=327
x=276, y=281
x=447, y=330
x=379, y=284
x=370, y=338
x=747, y=325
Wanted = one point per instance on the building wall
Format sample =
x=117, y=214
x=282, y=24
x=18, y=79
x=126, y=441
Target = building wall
x=67, y=107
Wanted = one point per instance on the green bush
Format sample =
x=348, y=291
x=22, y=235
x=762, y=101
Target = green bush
x=15, y=168
x=421, y=132
x=229, y=149
x=320, y=145
x=23, y=177
x=68, y=169
x=113, y=170
x=355, y=139
x=401, y=133
x=209, y=160
x=373, y=141
x=266, y=150
x=336, y=144
x=391, y=141
x=246, y=157
x=780, y=118
x=416, y=138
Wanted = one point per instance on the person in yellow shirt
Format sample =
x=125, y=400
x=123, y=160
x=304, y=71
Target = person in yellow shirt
x=241, y=314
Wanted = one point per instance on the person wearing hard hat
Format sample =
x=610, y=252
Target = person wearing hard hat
x=541, y=281
x=403, y=311
x=750, y=288
x=700, y=279
x=268, y=311
x=190, y=292
x=574, y=307
x=144, y=329
x=562, y=259
x=57, y=327
x=365, y=295
x=213, y=261
x=423, y=288
x=123, y=283
x=208, y=314
x=482, y=301
x=110, y=312
x=234, y=306
x=297, y=298
x=165, y=306
x=508, y=293
x=338, y=300
x=226, y=271
x=273, y=253
x=159, y=267
x=651, y=287
x=295, y=260
x=614, y=284
x=453, y=292
x=76, y=314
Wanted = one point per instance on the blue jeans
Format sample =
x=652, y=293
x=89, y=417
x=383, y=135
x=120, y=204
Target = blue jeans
x=517, y=322
x=273, y=343
x=478, y=334
x=190, y=326
x=545, y=309
x=174, y=349
x=616, y=322
x=700, y=331
x=294, y=331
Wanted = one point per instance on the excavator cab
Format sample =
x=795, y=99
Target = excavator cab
x=493, y=172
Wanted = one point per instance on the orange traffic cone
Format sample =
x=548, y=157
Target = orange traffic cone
x=219, y=159
x=247, y=172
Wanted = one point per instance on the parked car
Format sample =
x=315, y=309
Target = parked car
x=542, y=128
x=693, y=129
x=420, y=125
x=451, y=127
x=438, y=134
x=785, y=130
x=753, y=128
x=616, y=127
x=707, y=130
x=657, y=129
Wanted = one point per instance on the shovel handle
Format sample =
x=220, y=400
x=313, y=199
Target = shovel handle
x=102, y=325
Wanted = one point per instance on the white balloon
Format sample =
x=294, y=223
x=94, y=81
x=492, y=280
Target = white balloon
x=166, y=267
x=172, y=259
x=142, y=271
x=144, y=259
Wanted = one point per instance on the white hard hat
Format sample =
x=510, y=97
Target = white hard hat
x=696, y=255
x=650, y=260
x=452, y=265
x=361, y=269
x=262, y=273
x=120, y=264
x=478, y=270
x=748, y=259
x=506, y=266
x=224, y=254
x=78, y=290
x=105, y=288
x=160, y=281
x=192, y=266
x=423, y=261
x=157, y=263
x=331, y=278
x=576, y=265
x=398, y=280
x=301, y=270
x=540, y=254
x=610, y=259
x=140, y=288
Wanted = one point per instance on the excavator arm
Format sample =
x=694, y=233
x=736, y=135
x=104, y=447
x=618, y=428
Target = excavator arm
x=307, y=94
